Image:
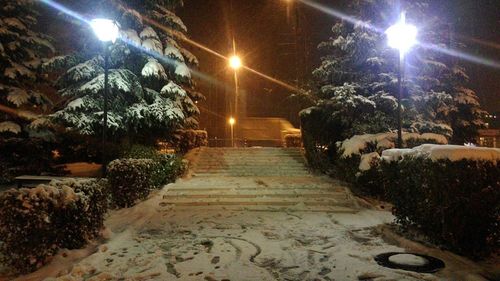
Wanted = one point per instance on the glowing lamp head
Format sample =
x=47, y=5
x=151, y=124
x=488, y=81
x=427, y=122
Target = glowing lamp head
x=402, y=36
x=106, y=30
x=232, y=121
x=235, y=62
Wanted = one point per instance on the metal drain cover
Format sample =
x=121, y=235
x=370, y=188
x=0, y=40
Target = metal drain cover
x=410, y=262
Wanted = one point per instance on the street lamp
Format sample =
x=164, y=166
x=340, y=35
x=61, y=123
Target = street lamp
x=401, y=36
x=106, y=31
x=232, y=121
x=235, y=62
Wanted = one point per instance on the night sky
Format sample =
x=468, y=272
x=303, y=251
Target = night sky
x=264, y=37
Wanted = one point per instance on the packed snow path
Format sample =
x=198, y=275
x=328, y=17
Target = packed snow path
x=257, y=179
x=231, y=223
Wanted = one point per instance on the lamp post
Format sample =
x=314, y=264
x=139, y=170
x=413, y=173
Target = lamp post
x=106, y=31
x=232, y=121
x=401, y=36
x=235, y=64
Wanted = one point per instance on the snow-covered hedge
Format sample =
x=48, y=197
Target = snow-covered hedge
x=133, y=179
x=360, y=143
x=35, y=223
x=293, y=140
x=357, y=155
x=444, y=152
x=130, y=180
x=451, y=193
x=185, y=140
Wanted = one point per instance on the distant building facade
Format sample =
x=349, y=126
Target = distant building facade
x=489, y=138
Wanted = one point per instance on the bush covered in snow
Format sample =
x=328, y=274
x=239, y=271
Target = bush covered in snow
x=35, y=223
x=185, y=140
x=130, y=180
x=138, y=151
x=167, y=167
x=357, y=158
x=293, y=140
x=452, y=194
x=143, y=170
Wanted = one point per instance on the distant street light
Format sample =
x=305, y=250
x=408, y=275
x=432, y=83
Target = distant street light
x=235, y=62
x=401, y=36
x=232, y=121
x=107, y=31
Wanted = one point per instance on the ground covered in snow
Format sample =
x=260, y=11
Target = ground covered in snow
x=154, y=241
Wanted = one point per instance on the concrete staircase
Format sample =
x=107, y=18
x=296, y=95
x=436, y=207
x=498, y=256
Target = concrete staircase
x=260, y=179
x=245, y=162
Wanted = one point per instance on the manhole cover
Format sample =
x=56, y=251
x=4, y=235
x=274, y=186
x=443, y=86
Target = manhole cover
x=410, y=262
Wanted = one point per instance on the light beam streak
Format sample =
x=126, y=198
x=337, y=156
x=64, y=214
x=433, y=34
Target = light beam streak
x=198, y=74
x=182, y=37
x=454, y=53
x=65, y=10
x=178, y=35
x=329, y=11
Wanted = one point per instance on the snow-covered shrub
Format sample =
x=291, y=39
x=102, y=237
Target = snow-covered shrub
x=450, y=193
x=138, y=151
x=35, y=223
x=167, y=167
x=83, y=223
x=130, y=180
x=185, y=140
x=358, y=157
x=293, y=140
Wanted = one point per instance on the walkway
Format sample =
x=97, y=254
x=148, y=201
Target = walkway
x=199, y=229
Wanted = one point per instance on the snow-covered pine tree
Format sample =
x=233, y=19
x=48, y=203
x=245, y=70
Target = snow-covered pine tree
x=466, y=118
x=357, y=78
x=440, y=92
x=151, y=89
x=22, y=49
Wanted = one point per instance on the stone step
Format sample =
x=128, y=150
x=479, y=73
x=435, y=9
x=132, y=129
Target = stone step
x=280, y=202
x=188, y=188
x=263, y=170
x=237, y=174
x=249, y=163
x=254, y=194
x=263, y=208
x=246, y=161
x=251, y=153
x=307, y=180
x=249, y=160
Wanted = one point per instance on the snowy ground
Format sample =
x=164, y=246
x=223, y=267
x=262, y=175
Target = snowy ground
x=152, y=241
